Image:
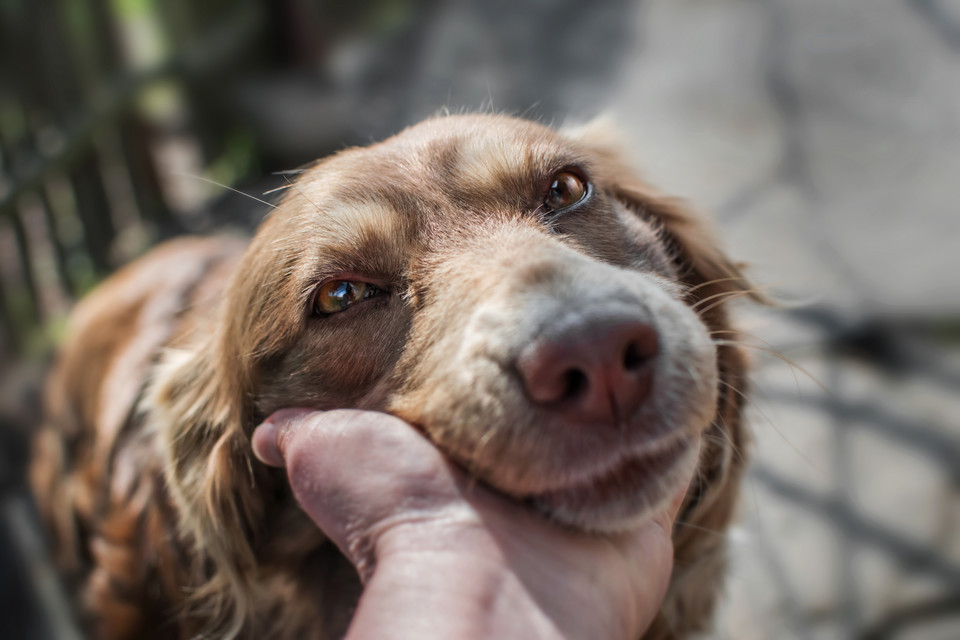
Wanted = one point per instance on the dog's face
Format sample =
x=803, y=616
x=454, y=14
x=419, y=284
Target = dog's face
x=497, y=285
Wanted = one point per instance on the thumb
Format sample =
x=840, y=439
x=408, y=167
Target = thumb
x=357, y=473
x=271, y=437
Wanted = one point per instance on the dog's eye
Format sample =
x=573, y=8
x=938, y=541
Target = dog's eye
x=566, y=189
x=335, y=296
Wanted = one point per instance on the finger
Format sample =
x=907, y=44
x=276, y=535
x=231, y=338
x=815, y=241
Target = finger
x=357, y=473
x=399, y=468
x=269, y=438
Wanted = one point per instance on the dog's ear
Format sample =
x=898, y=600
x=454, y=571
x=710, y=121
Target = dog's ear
x=197, y=404
x=201, y=402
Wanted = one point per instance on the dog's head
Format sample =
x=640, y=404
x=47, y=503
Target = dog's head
x=516, y=293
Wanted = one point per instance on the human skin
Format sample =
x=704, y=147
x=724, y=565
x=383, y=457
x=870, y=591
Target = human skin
x=444, y=557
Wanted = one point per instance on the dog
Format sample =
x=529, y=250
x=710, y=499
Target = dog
x=549, y=321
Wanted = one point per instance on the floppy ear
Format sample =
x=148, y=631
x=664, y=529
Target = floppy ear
x=198, y=407
x=710, y=278
x=201, y=404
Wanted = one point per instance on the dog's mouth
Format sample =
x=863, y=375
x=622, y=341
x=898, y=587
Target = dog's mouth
x=623, y=494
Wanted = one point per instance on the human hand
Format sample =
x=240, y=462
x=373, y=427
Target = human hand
x=443, y=556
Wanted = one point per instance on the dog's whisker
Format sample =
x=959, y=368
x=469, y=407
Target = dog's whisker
x=773, y=425
x=725, y=439
x=293, y=185
x=282, y=187
x=768, y=345
x=690, y=525
x=709, y=283
x=779, y=356
x=727, y=385
x=223, y=186
x=740, y=332
x=722, y=298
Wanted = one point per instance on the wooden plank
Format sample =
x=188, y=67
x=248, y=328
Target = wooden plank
x=9, y=335
x=93, y=208
x=56, y=246
x=25, y=264
x=136, y=137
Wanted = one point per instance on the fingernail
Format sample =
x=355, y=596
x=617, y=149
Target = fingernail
x=266, y=438
x=264, y=443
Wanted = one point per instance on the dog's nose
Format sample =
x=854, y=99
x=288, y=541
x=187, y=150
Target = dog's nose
x=595, y=370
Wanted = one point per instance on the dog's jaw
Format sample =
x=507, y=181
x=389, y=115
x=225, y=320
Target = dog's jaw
x=626, y=494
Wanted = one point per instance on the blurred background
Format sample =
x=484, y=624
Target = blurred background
x=823, y=136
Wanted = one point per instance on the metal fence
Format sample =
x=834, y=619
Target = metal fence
x=90, y=94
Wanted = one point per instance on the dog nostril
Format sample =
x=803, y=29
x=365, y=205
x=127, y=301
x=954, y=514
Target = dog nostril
x=633, y=357
x=641, y=348
x=575, y=383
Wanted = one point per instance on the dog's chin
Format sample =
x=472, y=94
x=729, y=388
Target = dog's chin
x=625, y=495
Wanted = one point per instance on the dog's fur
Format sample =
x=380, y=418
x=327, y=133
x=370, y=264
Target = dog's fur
x=168, y=527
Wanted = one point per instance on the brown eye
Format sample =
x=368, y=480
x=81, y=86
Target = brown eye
x=566, y=189
x=335, y=296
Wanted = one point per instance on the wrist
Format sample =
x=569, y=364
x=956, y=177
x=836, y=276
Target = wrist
x=459, y=578
x=447, y=593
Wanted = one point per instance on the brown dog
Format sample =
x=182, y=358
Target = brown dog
x=544, y=317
